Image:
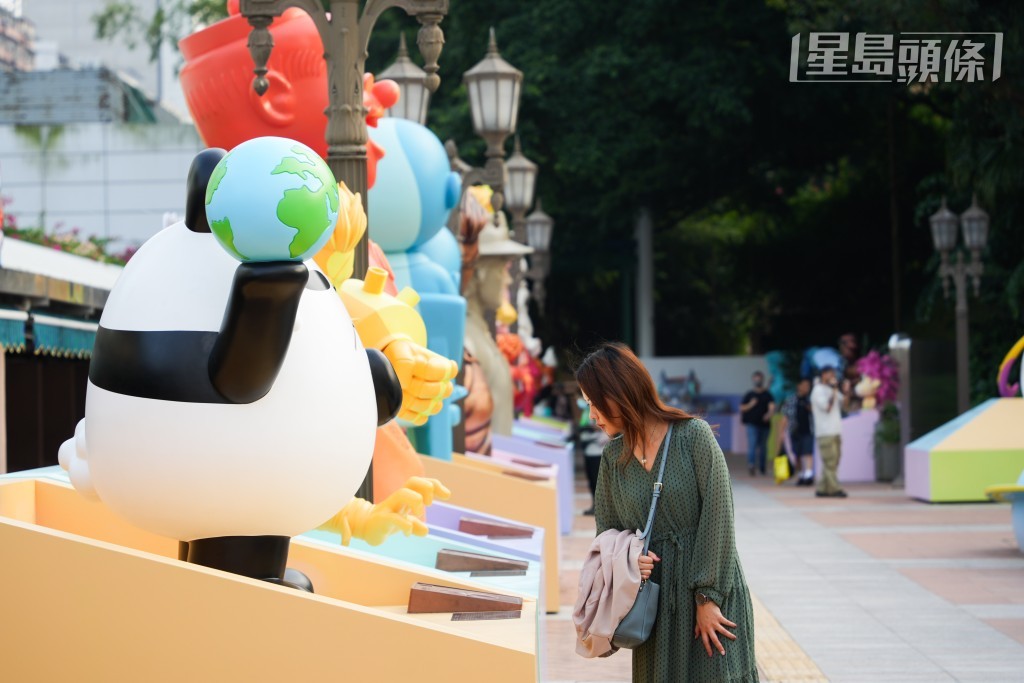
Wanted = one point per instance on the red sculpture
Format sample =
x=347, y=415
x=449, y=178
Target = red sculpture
x=217, y=81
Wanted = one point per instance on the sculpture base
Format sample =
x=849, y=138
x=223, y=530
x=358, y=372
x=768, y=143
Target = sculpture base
x=483, y=486
x=127, y=606
x=959, y=460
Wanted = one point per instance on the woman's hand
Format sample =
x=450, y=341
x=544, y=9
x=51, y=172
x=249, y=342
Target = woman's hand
x=711, y=622
x=646, y=564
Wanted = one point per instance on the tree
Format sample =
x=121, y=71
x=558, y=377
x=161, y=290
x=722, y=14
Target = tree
x=785, y=213
x=171, y=20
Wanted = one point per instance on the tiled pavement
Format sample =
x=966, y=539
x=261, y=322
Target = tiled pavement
x=875, y=587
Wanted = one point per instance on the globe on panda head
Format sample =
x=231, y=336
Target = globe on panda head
x=272, y=199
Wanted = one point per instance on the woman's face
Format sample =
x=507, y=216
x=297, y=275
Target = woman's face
x=610, y=425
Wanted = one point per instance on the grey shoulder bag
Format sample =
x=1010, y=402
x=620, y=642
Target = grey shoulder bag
x=635, y=628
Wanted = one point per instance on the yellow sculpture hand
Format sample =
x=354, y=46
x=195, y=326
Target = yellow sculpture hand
x=426, y=379
x=401, y=511
x=336, y=258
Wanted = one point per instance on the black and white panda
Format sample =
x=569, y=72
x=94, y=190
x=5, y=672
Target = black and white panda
x=231, y=406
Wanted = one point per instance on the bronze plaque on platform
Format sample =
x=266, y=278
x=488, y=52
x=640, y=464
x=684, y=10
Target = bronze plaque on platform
x=429, y=598
x=485, y=616
x=461, y=561
x=493, y=529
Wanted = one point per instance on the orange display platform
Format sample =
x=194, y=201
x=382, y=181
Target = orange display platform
x=496, y=489
x=88, y=597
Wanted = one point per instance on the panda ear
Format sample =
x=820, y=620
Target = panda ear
x=198, y=178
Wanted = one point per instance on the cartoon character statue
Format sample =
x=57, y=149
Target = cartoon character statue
x=217, y=81
x=391, y=322
x=478, y=407
x=867, y=390
x=230, y=403
x=526, y=371
x=485, y=292
x=394, y=328
x=1006, y=390
x=217, y=76
x=523, y=319
x=416, y=169
x=879, y=379
x=781, y=386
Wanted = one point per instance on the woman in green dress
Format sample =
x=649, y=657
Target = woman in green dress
x=705, y=627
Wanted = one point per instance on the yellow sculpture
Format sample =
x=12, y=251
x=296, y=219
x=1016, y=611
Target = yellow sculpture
x=336, y=257
x=397, y=329
x=391, y=325
x=401, y=511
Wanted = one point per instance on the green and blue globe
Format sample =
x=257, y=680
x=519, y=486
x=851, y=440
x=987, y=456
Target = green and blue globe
x=272, y=199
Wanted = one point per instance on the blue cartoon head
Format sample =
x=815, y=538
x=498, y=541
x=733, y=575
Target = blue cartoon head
x=415, y=188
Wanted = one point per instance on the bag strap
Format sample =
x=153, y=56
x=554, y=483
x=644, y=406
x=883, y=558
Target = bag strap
x=658, y=486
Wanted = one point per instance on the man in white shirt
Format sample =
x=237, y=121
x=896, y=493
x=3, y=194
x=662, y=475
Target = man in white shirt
x=826, y=401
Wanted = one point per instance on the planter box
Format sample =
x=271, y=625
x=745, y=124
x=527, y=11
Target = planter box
x=560, y=456
x=485, y=486
x=89, y=597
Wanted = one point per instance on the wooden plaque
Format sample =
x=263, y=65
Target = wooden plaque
x=460, y=561
x=525, y=475
x=486, y=616
x=428, y=598
x=493, y=529
x=530, y=463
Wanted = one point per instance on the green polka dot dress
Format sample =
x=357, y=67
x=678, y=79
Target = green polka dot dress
x=695, y=538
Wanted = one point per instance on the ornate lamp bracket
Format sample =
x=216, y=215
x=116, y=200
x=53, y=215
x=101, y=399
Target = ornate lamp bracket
x=430, y=38
x=260, y=14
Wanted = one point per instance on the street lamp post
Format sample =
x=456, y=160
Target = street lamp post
x=414, y=96
x=522, y=179
x=539, y=227
x=493, y=87
x=974, y=224
x=521, y=174
x=345, y=34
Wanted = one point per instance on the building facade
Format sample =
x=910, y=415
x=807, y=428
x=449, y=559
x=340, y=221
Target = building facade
x=17, y=37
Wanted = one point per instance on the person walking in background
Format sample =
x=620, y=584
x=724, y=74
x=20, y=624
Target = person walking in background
x=757, y=409
x=798, y=423
x=704, y=632
x=826, y=402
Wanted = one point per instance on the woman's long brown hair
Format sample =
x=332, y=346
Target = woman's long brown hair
x=619, y=386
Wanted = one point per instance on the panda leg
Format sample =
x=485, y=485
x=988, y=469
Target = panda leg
x=258, y=557
x=296, y=579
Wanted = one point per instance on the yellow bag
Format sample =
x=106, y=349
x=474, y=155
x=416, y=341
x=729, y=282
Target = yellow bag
x=782, y=472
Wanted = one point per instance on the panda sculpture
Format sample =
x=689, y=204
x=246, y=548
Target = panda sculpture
x=213, y=409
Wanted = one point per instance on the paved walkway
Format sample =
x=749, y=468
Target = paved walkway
x=875, y=587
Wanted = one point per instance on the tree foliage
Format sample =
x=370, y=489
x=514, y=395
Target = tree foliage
x=784, y=213
x=171, y=20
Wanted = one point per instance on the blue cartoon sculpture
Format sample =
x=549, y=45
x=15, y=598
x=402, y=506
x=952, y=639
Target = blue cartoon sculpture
x=410, y=202
x=413, y=235
x=230, y=404
x=444, y=250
